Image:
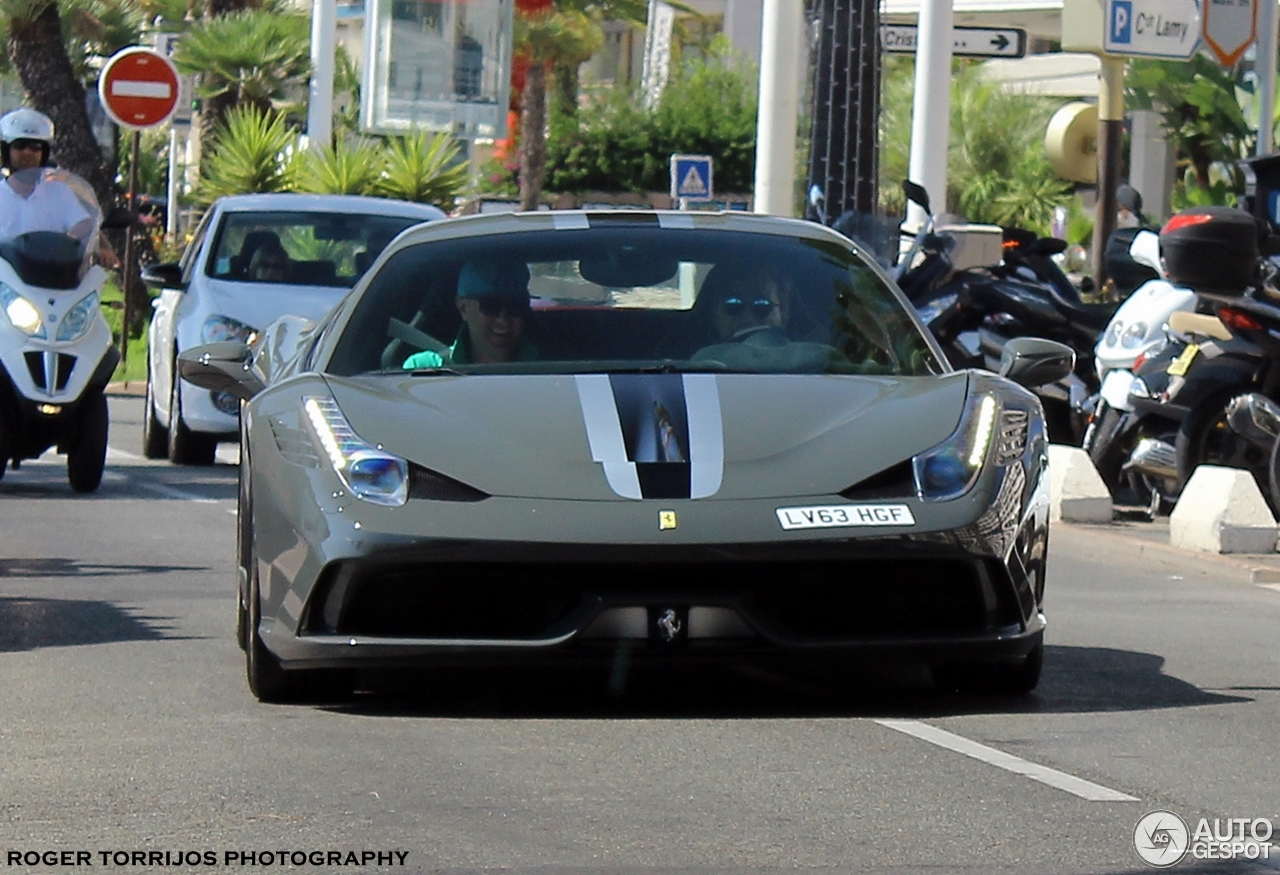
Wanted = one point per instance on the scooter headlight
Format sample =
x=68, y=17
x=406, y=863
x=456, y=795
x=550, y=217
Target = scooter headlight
x=371, y=473
x=219, y=328
x=1114, y=330
x=950, y=469
x=78, y=319
x=1134, y=335
x=22, y=314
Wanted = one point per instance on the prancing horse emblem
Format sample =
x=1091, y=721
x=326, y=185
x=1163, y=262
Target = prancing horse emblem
x=669, y=625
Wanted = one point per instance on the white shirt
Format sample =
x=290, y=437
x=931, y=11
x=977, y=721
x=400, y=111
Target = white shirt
x=52, y=206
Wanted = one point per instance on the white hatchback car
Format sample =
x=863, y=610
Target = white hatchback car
x=252, y=259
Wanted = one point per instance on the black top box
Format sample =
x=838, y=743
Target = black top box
x=1211, y=249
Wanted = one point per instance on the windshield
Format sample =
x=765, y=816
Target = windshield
x=49, y=200
x=632, y=298
x=301, y=248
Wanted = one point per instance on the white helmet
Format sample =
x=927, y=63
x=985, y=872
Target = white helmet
x=26, y=124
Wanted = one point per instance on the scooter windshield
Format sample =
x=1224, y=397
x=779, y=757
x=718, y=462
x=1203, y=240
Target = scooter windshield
x=49, y=226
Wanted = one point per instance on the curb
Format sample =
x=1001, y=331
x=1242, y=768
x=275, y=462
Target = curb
x=1256, y=564
x=129, y=388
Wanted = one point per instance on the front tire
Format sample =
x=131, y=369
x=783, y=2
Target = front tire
x=268, y=681
x=1204, y=438
x=1105, y=449
x=186, y=447
x=87, y=457
x=992, y=679
x=155, y=437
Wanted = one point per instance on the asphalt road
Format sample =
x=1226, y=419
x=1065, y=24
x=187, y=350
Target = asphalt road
x=127, y=731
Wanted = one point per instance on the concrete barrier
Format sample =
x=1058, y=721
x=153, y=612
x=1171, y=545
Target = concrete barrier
x=1076, y=491
x=1221, y=510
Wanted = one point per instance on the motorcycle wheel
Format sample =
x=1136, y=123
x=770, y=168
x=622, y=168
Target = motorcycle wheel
x=1205, y=439
x=155, y=437
x=1273, y=478
x=1104, y=448
x=87, y=456
x=186, y=447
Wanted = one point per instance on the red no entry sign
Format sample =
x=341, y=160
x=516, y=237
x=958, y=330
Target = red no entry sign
x=139, y=88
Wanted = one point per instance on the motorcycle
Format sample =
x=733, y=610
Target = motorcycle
x=56, y=349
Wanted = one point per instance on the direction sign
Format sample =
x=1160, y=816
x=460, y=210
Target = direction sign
x=691, y=177
x=1229, y=27
x=1152, y=28
x=971, y=42
x=139, y=88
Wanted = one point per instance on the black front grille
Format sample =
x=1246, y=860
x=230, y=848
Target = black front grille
x=66, y=364
x=63, y=365
x=811, y=601
x=35, y=366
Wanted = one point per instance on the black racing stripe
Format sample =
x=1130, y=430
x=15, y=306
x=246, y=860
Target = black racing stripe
x=664, y=479
x=621, y=217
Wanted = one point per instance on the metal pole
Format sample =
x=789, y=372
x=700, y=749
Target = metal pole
x=126, y=274
x=324, y=19
x=1110, y=144
x=1265, y=67
x=780, y=51
x=171, y=192
x=931, y=111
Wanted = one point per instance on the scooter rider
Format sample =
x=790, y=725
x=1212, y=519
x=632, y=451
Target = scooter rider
x=35, y=202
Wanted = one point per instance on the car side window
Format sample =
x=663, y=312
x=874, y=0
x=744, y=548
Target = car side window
x=189, y=259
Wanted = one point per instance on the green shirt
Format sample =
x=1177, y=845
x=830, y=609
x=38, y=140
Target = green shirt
x=460, y=354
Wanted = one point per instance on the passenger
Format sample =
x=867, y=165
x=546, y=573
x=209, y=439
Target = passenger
x=493, y=298
x=751, y=301
x=270, y=263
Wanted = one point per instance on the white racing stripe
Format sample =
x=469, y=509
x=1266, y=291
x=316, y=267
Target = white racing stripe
x=1045, y=775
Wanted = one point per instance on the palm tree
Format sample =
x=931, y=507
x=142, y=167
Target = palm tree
x=251, y=57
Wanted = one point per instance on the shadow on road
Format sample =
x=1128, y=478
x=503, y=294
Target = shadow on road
x=1076, y=680
x=27, y=624
x=59, y=567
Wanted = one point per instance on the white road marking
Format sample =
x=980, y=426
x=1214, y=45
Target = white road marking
x=174, y=492
x=1271, y=586
x=1045, y=775
x=114, y=454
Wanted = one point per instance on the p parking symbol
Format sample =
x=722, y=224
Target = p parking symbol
x=1121, y=21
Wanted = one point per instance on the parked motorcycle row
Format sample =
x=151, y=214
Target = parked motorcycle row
x=1183, y=371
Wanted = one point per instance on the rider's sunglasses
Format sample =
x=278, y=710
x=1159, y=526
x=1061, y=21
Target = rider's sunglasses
x=26, y=145
x=493, y=307
x=760, y=308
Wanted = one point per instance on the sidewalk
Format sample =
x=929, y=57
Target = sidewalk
x=1262, y=567
x=131, y=388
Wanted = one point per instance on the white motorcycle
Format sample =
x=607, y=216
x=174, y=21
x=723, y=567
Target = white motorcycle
x=1136, y=331
x=56, y=350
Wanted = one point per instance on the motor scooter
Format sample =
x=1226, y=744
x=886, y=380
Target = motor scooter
x=56, y=350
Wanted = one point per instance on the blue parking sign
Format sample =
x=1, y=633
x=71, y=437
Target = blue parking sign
x=1121, y=21
x=691, y=177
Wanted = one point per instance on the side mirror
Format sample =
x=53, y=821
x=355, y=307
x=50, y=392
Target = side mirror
x=220, y=367
x=916, y=194
x=1033, y=361
x=163, y=276
x=119, y=217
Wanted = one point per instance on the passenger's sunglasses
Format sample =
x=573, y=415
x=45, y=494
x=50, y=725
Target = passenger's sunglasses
x=760, y=308
x=26, y=145
x=493, y=307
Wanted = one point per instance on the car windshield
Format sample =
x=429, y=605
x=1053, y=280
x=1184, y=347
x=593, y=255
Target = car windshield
x=634, y=298
x=301, y=248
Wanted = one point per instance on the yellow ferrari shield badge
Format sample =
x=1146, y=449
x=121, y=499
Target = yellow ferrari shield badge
x=666, y=520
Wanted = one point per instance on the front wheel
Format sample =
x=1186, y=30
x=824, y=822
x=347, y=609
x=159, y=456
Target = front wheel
x=1105, y=448
x=1204, y=438
x=186, y=447
x=155, y=437
x=87, y=456
x=992, y=679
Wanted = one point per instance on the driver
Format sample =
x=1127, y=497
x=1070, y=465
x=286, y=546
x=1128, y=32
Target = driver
x=31, y=202
x=493, y=300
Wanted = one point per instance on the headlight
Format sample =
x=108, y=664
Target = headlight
x=1134, y=335
x=78, y=319
x=369, y=472
x=1114, y=331
x=218, y=328
x=950, y=469
x=21, y=313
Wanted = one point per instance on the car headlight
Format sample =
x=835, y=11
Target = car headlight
x=950, y=469
x=22, y=314
x=219, y=328
x=370, y=472
x=1133, y=335
x=78, y=319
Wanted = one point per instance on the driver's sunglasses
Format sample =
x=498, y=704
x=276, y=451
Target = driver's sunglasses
x=760, y=308
x=26, y=145
x=493, y=307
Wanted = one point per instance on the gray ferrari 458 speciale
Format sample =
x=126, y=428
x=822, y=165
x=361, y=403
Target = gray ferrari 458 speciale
x=551, y=437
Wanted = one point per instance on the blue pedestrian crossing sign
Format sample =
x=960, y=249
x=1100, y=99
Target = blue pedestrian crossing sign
x=691, y=177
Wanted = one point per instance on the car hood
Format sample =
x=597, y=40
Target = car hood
x=257, y=305
x=599, y=437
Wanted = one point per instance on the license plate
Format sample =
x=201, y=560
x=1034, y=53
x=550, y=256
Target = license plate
x=845, y=516
x=1178, y=367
